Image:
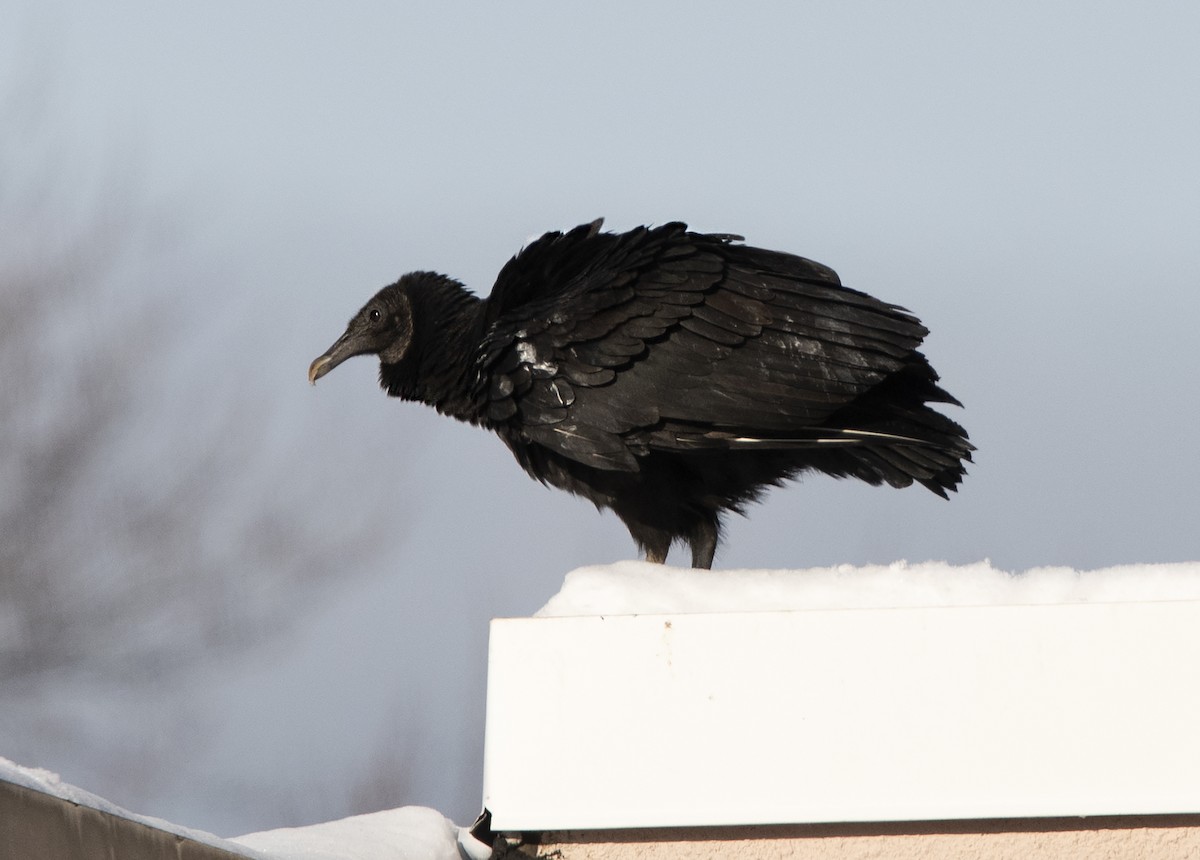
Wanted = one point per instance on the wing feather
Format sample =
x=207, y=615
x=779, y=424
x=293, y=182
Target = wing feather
x=598, y=344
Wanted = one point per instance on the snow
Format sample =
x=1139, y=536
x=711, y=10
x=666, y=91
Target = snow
x=639, y=588
x=408, y=833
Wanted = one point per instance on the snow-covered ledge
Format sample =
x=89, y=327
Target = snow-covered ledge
x=649, y=697
x=43, y=817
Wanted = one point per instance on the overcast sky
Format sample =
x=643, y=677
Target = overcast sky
x=1022, y=176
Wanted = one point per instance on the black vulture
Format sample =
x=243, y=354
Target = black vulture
x=668, y=375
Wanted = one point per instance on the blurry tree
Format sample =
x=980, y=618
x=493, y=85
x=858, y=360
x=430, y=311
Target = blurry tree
x=115, y=559
x=149, y=528
x=145, y=533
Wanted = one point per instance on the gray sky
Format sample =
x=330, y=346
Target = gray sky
x=1023, y=176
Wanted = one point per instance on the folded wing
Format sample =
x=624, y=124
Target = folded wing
x=605, y=347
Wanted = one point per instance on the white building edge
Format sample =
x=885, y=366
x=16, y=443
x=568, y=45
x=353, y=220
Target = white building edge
x=848, y=696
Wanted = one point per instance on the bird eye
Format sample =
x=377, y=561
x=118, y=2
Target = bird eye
x=374, y=315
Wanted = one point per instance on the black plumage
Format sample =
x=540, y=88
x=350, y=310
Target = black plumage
x=668, y=375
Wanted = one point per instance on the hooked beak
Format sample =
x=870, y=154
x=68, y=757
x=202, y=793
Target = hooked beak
x=319, y=368
x=344, y=347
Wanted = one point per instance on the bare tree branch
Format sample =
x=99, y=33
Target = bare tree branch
x=116, y=571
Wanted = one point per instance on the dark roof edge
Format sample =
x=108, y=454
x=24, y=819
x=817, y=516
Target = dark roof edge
x=36, y=824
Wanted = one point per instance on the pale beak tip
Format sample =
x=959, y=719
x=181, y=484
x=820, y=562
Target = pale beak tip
x=317, y=369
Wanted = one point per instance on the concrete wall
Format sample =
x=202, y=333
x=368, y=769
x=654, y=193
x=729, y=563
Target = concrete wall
x=1114, y=838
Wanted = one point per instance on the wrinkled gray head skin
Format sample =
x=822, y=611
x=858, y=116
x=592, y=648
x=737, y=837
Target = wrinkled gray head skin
x=383, y=327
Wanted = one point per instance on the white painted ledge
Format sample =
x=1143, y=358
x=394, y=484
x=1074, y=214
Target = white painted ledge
x=845, y=715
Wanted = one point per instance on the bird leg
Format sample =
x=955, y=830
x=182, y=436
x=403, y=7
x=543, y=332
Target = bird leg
x=655, y=543
x=703, y=541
